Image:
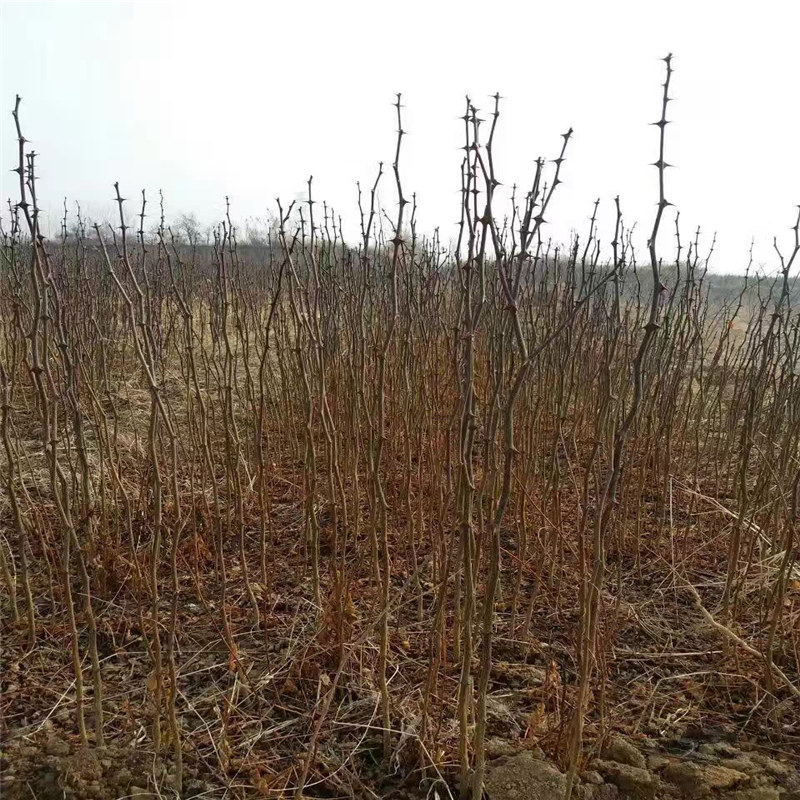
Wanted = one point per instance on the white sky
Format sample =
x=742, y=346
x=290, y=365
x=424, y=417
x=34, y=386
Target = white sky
x=248, y=99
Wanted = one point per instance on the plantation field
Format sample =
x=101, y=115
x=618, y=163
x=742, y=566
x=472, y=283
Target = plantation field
x=345, y=519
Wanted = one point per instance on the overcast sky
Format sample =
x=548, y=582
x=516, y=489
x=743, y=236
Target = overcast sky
x=247, y=99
